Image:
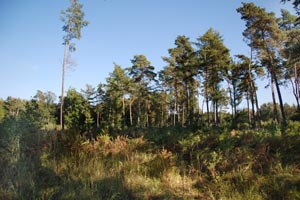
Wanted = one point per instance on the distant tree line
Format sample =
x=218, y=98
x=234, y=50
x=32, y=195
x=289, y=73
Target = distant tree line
x=200, y=85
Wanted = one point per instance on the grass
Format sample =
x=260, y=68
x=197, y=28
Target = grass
x=181, y=164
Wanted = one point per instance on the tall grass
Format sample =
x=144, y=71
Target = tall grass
x=177, y=164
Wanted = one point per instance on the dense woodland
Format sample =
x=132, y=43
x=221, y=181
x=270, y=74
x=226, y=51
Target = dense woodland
x=178, y=133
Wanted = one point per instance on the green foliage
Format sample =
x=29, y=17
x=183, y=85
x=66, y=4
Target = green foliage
x=77, y=112
x=73, y=17
x=296, y=4
x=138, y=137
x=164, y=164
x=2, y=110
x=265, y=37
x=214, y=61
x=293, y=128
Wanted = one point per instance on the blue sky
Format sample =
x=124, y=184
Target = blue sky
x=31, y=49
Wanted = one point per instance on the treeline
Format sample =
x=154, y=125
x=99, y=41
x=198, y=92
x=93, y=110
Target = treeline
x=201, y=84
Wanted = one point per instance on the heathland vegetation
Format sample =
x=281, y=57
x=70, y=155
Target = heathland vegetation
x=179, y=133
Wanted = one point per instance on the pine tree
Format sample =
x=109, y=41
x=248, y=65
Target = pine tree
x=264, y=36
x=288, y=23
x=142, y=73
x=73, y=19
x=117, y=89
x=215, y=61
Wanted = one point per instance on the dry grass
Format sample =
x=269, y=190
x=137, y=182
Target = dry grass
x=212, y=167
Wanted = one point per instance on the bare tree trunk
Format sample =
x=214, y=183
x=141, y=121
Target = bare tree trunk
x=257, y=109
x=174, y=113
x=64, y=65
x=123, y=110
x=162, y=113
x=164, y=108
x=130, y=111
x=252, y=107
x=275, y=112
x=248, y=109
x=215, y=113
x=280, y=100
x=232, y=101
x=188, y=112
x=206, y=98
x=295, y=92
x=207, y=108
x=220, y=114
x=139, y=112
x=183, y=113
x=98, y=118
x=295, y=86
x=147, y=109
x=176, y=102
x=251, y=85
x=274, y=78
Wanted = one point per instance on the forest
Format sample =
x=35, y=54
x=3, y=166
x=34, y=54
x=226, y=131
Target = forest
x=194, y=130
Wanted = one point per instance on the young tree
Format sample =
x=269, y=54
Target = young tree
x=76, y=111
x=117, y=89
x=99, y=101
x=73, y=19
x=89, y=93
x=14, y=107
x=44, y=104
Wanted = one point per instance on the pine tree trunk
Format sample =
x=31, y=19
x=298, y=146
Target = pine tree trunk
x=207, y=108
x=174, y=114
x=206, y=98
x=248, y=109
x=63, y=86
x=139, y=113
x=296, y=88
x=257, y=109
x=297, y=84
x=162, y=115
x=253, y=92
x=147, y=109
x=232, y=100
x=98, y=118
x=215, y=113
x=250, y=83
x=275, y=112
x=274, y=79
x=130, y=111
x=252, y=107
x=183, y=113
x=280, y=100
x=176, y=102
x=123, y=111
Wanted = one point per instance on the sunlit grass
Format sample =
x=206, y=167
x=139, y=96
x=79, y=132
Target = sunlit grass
x=246, y=165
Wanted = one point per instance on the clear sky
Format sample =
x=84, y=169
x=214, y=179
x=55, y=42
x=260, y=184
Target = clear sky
x=31, y=49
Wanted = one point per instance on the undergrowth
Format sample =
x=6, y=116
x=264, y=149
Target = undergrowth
x=153, y=164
